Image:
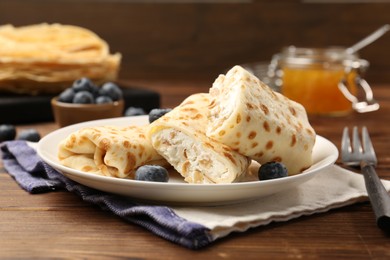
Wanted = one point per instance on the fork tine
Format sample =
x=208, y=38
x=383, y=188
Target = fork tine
x=356, y=145
x=367, y=144
x=345, y=144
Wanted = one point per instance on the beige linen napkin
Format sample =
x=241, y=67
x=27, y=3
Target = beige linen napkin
x=194, y=227
x=334, y=187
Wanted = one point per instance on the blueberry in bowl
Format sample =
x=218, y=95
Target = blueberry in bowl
x=85, y=101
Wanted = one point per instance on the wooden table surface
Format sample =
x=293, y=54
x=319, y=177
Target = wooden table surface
x=60, y=225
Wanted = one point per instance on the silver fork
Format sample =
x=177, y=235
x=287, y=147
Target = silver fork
x=363, y=156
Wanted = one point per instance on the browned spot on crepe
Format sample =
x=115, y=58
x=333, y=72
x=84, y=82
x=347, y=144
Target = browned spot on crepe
x=259, y=154
x=104, y=144
x=292, y=110
x=266, y=126
x=252, y=135
x=277, y=159
x=190, y=110
x=238, y=119
x=293, y=140
x=185, y=167
x=189, y=102
x=264, y=108
x=250, y=106
x=269, y=145
x=196, y=117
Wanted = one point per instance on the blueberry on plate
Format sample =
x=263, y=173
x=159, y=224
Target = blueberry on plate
x=66, y=96
x=83, y=97
x=156, y=113
x=154, y=173
x=135, y=111
x=31, y=135
x=84, y=84
x=103, y=100
x=7, y=132
x=272, y=170
x=112, y=90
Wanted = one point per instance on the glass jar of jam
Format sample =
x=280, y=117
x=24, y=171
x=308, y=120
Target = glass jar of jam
x=325, y=81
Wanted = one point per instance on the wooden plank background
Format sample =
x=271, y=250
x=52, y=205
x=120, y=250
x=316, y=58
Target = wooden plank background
x=166, y=39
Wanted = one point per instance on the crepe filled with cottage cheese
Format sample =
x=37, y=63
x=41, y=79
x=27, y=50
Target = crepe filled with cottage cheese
x=179, y=136
x=249, y=117
x=108, y=150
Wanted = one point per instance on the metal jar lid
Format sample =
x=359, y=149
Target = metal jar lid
x=332, y=57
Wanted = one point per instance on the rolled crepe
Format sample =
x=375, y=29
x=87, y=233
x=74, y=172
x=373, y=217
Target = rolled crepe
x=249, y=117
x=108, y=150
x=179, y=136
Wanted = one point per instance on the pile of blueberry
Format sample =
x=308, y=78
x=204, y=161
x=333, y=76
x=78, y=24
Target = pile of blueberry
x=8, y=133
x=84, y=91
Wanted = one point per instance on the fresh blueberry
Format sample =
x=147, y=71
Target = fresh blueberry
x=95, y=91
x=103, y=100
x=31, y=135
x=84, y=84
x=112, y=90
x=156, y=113
x=272, y=170
x=83, y=97
x=7, y=132
x=154, y=173
x=67, y=95
x=135, y=111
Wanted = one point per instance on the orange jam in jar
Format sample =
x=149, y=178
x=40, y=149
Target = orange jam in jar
x=312, y=77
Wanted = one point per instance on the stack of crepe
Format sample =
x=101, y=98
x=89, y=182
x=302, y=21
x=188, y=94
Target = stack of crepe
x=209, y=138
x=47, y=58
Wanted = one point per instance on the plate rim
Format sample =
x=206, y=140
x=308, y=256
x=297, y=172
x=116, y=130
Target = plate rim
x=327, y=161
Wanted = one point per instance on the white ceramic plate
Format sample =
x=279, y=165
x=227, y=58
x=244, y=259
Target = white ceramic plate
x=177, y=191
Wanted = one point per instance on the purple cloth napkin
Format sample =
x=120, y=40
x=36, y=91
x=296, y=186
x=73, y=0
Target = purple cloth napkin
x=35, y=176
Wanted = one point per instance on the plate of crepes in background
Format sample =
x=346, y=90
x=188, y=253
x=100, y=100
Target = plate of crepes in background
x=176, y=190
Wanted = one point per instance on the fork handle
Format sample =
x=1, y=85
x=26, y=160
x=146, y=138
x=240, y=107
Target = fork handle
x=379, y=198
